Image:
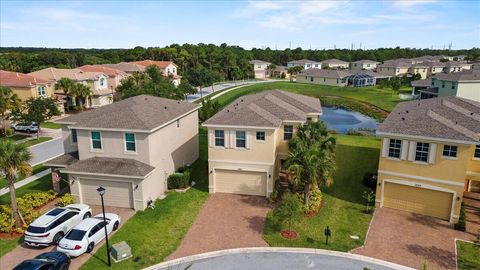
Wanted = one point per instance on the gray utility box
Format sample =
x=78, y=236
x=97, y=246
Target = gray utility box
x=121, y=251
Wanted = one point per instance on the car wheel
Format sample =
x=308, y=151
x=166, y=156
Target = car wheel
x=57, y=238
x=90, y=247
x=28, y=131
x=115, y=225
x=87, y=215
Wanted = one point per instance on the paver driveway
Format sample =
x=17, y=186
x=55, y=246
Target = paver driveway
x=22, y=252
x=225, y=221
x=408, y=239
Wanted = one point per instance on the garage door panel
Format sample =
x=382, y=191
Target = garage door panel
x=118, y=194
x=240, y=182
x=417, y=200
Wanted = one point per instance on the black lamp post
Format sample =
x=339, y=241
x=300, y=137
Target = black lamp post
x=101, y=191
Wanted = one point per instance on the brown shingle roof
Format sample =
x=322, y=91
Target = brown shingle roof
x=325, y=73
x=254, y=61
x=110, y=166
x=465, y=75
x=111, y=72
x=160, y=64
x=449, y=118
x=142, y=112
x=126, y=67
x=422, y=83
x=303, y=61
x=334, y=61
x=63, y=160
x=396, y=64
x=54, y=74
x=15, y=79
x=266, y=109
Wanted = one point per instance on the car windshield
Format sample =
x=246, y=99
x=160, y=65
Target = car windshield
x=75, y=235
x=34, y=229
x=55, y=212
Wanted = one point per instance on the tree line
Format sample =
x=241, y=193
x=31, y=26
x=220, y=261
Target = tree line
x=227, y=62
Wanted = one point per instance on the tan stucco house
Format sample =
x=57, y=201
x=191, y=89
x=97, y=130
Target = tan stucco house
x=430, y=156
x=324, y=77
x=115, y=76
x=129, y=147
x=464, y=84
x=248, y=140
x=168, y=68
x=128, y=68
x=394, y=68
x=260, y=69
x=363, y=65
x=305, y=63
x=335, y=64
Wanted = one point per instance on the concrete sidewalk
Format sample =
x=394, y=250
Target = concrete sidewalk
x=26, y=181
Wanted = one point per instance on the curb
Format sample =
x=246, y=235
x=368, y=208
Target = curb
x=208, y=255
x=53, y=139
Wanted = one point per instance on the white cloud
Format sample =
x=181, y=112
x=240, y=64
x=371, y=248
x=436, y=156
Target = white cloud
x=410, y=3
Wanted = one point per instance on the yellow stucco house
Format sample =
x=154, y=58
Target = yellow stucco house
x=247, y=140
x=430, y=156
x=26, y=86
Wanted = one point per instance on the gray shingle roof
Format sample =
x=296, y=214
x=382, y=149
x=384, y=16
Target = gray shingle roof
x=303, y=61
x=63, y=160
x=422, y=83
x=334, y=61
x=449, y=118
x=366, y=61
x=110, y=166
x=136, y=113
x=465, y=75
x=258, y=62
x=266, y=109
x=325, y=73
x=396, y=64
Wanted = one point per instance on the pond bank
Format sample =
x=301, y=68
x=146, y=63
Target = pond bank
x=355, y=105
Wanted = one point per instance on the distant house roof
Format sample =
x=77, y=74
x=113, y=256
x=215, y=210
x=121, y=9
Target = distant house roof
x=126, y=67
x=110, y=72
x=141, y=113
x=325, y=73
x=450, y=118
x=266, y=109
x=110, y=166
x=419, y=65
x=456, y=64
x=422, y=83
x=334, y=61
x=465, y=75
x=368, y=73
x=253, y=62
x=55, y=74
x=15, y=79
x=160, y=64
x=366, y=61
x=434, y=64
x=303, y=61
x=396, y=64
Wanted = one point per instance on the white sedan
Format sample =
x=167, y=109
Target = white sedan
x=83, y=237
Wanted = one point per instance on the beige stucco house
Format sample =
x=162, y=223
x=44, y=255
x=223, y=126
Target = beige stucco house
x=129, y=147
x=394, y=68
x=97, y=81
x=363, y=65
x=305, y=63
x=324, y=77
x=248, y=140
x=128, y=68
x=260, y=69
x=430, y=156
x=168, y=68
x=335, y=64
x=115, y=76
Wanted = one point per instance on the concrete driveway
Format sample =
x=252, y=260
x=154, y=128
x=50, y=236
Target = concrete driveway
x=408, y=239
x=226, y=221
x=20, y=253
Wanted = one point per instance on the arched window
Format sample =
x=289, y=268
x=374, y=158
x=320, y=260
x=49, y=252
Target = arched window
x=102, y=82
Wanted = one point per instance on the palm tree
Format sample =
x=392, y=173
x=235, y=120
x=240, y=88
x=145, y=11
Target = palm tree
x=66, y=85
x=293, y=71
x=311, y=157
x=271, y=68
x=81, y=91
x=14, y=161
x=8, y=101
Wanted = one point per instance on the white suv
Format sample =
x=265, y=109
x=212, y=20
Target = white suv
x=52, y=226
x=27, y=127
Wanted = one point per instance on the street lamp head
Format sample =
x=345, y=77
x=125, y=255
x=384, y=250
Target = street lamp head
x=101, y=190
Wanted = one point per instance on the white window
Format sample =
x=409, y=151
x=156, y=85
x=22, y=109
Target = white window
x=241, y=139
x=260, y=136
x=173, y=70
x=42, y=92
x=130, y=144
x=394, y=148
x=219, y=138
x=421, y=153
x=96, y=140
x=449, y=151
x=287, y=132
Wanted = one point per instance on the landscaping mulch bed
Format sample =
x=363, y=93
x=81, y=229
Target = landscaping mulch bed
x=289, y=234
x=10, y=236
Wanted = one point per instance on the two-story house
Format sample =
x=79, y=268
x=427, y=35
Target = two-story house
x=464, y=84
x=96, y=81
x=168, y=68
x=394, y=68
x=305, y=63
x=335, y=64
x=363, y=65
x=115, y=76
x=248, y=140
x=128, y=68
x=260, y=68
x=430, y=155
x=129, y=147
x=324, y=77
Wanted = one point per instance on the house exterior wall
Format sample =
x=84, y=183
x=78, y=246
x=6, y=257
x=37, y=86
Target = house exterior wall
x=393, y=72
x=446, y=173
x=363, y=66
x=306, y=65
x=333, y=65
x=419, y=70
x=99, y=101
x=464, y=89
x=322, y=80
x=25, y=93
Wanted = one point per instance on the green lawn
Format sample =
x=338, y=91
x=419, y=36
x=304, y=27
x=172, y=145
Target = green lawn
x=35, y=169
x=36, y=141
x=468, y=256
x=343, y=204
x=42, y=184
x=50, y=125
x=382, y=98
x=15, y=137
x=8, y=244
x=155, y=234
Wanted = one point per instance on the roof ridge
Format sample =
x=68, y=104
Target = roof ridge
x=461, y=110
x=287, y=106
x=262, y=112
x=287, y=95
x=453, y=125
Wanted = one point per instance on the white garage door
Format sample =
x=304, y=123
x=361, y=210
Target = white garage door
x=240, y=182
x=118, y=194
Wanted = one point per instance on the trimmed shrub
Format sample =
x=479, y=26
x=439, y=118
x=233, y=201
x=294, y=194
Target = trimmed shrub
x=65, y=200
x=178, y=180
x=370, y=180
x=461, y=224
x=276, y=187
x=315, y=201
x=9, y=132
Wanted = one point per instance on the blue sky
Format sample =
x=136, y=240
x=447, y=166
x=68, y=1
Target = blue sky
x=306, y=24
